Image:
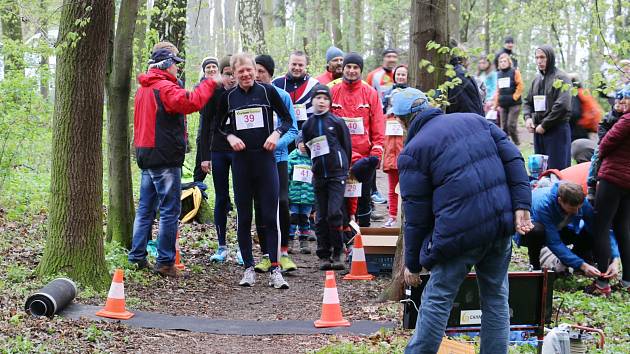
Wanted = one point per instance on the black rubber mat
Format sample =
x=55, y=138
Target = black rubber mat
x=144, y=319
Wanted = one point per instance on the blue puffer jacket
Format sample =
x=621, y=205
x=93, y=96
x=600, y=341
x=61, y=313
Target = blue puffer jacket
x=461, y=181
x=547, y=211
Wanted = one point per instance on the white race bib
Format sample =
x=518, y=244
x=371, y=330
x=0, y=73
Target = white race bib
x=300, y=112
x=355, y=125
x=504, y=82
x=318, y=146
x=353, y=189
x=393, y=128
x=302, y=173
x=249, y=118
x=539, y=103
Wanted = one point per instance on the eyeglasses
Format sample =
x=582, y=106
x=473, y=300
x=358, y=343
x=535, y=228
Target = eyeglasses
x=228, y=74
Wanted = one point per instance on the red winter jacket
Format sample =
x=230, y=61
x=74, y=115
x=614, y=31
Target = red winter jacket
x=614, y=152
x=359, y=100
x=325, y=78
x=159, y=127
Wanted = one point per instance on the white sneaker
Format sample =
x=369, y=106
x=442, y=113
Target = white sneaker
x=249, y=277
x=276, y=280
x=391, y=222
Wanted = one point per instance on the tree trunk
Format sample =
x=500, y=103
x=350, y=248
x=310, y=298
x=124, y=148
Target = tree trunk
x=219, y=30
x=267, y=15
x=44, y=68
x=120, y=213
x=231, y=43
x=75, y=227
x=279, y=14
x=140, y=35
x=356, y=24
x=335, y=14
x=486, y=28
x=428, y=23
x=454, y=10
x=12, y=38
x=252, y=33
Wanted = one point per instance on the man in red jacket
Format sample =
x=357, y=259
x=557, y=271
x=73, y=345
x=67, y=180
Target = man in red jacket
x=360, y=107
x=159, y=138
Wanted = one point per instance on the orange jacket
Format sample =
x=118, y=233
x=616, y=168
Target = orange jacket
x=591, y=111
x=393, y=145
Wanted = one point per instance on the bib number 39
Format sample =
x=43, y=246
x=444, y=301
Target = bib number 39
x=249, y=118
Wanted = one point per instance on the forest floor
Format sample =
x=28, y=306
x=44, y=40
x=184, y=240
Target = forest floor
x=212, y=291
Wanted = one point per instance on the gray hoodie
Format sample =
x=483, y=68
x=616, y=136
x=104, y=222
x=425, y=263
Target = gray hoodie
x=557, y=102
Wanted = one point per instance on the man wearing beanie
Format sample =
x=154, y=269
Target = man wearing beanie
x=459, y=212
x=210, y=67
x=160, y=141
x=360, y=106
x=299, y=85
x=264, y=68
x=382, y=78
x=334, y=68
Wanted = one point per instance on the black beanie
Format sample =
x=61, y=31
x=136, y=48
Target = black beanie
x=267, y=62
x=207, y=61
x=320, y=89
x=353, y=58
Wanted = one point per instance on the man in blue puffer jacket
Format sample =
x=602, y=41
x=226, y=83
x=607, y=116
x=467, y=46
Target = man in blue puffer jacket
x=464, y=189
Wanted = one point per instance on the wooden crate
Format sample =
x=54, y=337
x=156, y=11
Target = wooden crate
x=449, y=346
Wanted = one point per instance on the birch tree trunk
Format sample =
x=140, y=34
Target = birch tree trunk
x=252, y=33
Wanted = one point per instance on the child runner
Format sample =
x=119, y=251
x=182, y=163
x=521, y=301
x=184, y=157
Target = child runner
x=301, y=195
x=328, y=142
x=246, y=113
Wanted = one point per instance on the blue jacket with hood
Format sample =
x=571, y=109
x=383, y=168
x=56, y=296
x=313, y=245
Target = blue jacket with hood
x=461, y=180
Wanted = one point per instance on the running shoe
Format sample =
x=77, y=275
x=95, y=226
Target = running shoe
x=220, y=255
x=304, y=247
x=378, y=198
x=249, y=277
x=391, y=222
x=276, y=280
x=264, y=265
x=239, y=258
x=598, y=290
x=287, y=264
x=310, y=235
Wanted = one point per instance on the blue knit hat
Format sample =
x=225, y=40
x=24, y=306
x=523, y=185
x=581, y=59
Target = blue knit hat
x=333, y=52
x=409, y=100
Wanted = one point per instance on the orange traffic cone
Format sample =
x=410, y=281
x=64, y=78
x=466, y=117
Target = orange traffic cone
x=178, y=262
x=358, y=268
x=331, y=310
x=115, y=305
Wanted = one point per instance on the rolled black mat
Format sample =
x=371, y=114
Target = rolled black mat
x=53, y=298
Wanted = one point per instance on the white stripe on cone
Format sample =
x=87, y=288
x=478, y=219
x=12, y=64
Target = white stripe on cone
x=358, y=255
x=331, y=296
x=117, y=291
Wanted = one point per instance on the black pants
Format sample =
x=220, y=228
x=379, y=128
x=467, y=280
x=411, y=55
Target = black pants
x=329, y=225
x=283, y=210
x=255, y=176
x=535, y=241
x=364, y=204
x=612, y=210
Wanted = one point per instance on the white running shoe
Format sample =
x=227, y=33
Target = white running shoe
x=391, y=222
x=276, y=280
x=249, y=277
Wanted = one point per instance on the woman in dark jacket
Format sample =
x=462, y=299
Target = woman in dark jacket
x=613, y=202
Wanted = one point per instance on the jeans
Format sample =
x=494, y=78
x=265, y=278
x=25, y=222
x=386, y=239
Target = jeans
x=299, y=219
x=491, y=264
x=221, y=163
x=159, y=188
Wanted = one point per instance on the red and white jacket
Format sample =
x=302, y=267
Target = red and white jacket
x=360, y=107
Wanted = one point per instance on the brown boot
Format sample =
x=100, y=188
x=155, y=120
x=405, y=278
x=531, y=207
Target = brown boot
x=167, y=270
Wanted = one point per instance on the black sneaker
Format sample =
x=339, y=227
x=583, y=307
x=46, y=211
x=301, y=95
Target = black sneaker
x=324, y=264
x=337, y=264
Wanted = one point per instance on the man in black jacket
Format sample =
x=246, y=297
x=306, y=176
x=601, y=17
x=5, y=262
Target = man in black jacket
x=547, y=110
x=508, y=47
x=464, y=97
